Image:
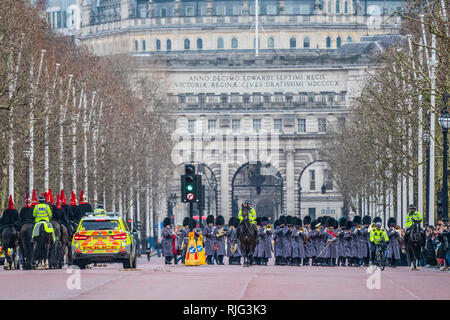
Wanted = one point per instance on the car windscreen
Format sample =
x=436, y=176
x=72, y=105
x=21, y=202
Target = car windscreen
x=100, y=225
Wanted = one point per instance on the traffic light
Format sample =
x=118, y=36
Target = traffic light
x=129, y=223
x=190, y=184
x=137, y=225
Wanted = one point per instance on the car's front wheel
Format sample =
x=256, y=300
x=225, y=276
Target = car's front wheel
x=127, y=262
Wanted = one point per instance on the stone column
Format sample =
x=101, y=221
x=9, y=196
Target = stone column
x=86, y=14
x=245, y=9
x=290, y=186
x=210, y=8
x=177, y=8
x=225, y=208
x=282, y=5
x=125, y=9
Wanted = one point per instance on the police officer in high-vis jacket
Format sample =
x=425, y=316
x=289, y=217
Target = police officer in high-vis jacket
x=411, y=216
x=42, y=211
x=377, y=235
x=251, y=215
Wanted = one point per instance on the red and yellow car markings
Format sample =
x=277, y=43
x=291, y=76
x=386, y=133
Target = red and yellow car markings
x=99, y=242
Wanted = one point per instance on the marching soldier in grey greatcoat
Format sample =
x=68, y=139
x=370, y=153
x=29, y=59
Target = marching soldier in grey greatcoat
x=209, y=239
x=393, y=246
x=219, y=234
x=330, y=243
x=278, y=240
x=235, y=239
x=307, y=240
x=298, y=250
x=256, y=258
x=365, y=240
x=340, y=241
x=348, y=242
x=287, y=240
x=183, y=238
x=229, y=235
x=356, y=243
x=265, y=237
x=314, y=239
x=320, y=244
x=167, y=235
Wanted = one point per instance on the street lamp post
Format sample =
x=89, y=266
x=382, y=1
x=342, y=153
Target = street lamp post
x=171, y=203
x=426, y=139
x=444, y=122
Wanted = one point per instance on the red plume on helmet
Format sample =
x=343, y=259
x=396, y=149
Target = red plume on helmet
x=11, y=203
x=34, y=200
x=81, y=196
x=50, y=196
x=27, y=204
x=73, y=199
x=63, y=198
x=58, y=201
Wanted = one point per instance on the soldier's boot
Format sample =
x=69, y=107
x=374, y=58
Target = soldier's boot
x=355, y=262
x=220, y=260
x=333, y=262
x=299, y=262
x=306, y=262
x=394, y=262
x=313, y=261
x=277, y=261
x=389, y=262
x=265, y=261
x=328, y=262
x=209, y=260
x=238, y=261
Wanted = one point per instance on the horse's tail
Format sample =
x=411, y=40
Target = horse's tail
x=9, y=237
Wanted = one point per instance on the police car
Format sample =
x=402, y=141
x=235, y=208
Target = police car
x=103, y=237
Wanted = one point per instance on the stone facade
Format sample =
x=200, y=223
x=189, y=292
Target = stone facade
x=235, y=107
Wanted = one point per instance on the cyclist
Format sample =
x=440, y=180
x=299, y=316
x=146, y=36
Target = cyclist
x=377, y=236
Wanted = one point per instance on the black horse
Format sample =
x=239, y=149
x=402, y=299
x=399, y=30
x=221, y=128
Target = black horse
x=26, y=245
x=57, y=256
x=415, y=241
x=247, y=238
x=10, y=242
x=42, y=247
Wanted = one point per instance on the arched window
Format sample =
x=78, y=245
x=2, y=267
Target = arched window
x=338, y=42
x=143, y=45
x=220, y=43
x=169, y=44
x=306, y=42
x=136, y=45
x=293, y=43
x=349, y=39
x=345, y=7
x=329, y=6
x=199, y=44
x=158, y=44
x=271, y=43
x=234, y=43
x=187, y=44
x=338, y=6
x=328, y=42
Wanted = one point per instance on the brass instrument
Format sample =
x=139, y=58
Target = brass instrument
x=233, y=248
x=359, y=227
x=397, y=228
x=269, y=227
x=220, y=233
x=301, y=229
x=371, y=227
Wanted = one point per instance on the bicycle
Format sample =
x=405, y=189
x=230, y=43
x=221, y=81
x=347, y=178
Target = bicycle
x=380, y=256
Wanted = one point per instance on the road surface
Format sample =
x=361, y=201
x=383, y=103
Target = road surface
x=154, y=280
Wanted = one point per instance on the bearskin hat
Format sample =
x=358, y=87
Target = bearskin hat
x=392, y=221
x=357, y=220
x=230, y=222
x=331, y=222
x=289, y=220
x=367, y=220
x=336, y=223
x=258, y=221
x=348, y=225
x=220, y=220
x=264, y=219
x=307, y=220
x=209, y=219
x=276, y=224
x=377, y=219
x=313, y=224
x=166, y=221
x=282, y=220
x=319, y=220
x=298, y=222
x=236, y=222
x=192, y=224
x=186, y=221
x=342, y=221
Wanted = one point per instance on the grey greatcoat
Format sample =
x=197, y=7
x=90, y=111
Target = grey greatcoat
x=340, y=252
x=348, y=242
x=314, y=238
x=229, y=234
x=278, y=242
x=299, y=245
x=393, y=246
x=265, y=240
x=364, y=242
x=220, y=242
x=330, y=251
x=307, y=243
x=209, y=240
x=287, y=242
x=234, y=239
x=183, y=237
x=356, y=243
x=167, y=235
x=320, y=242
